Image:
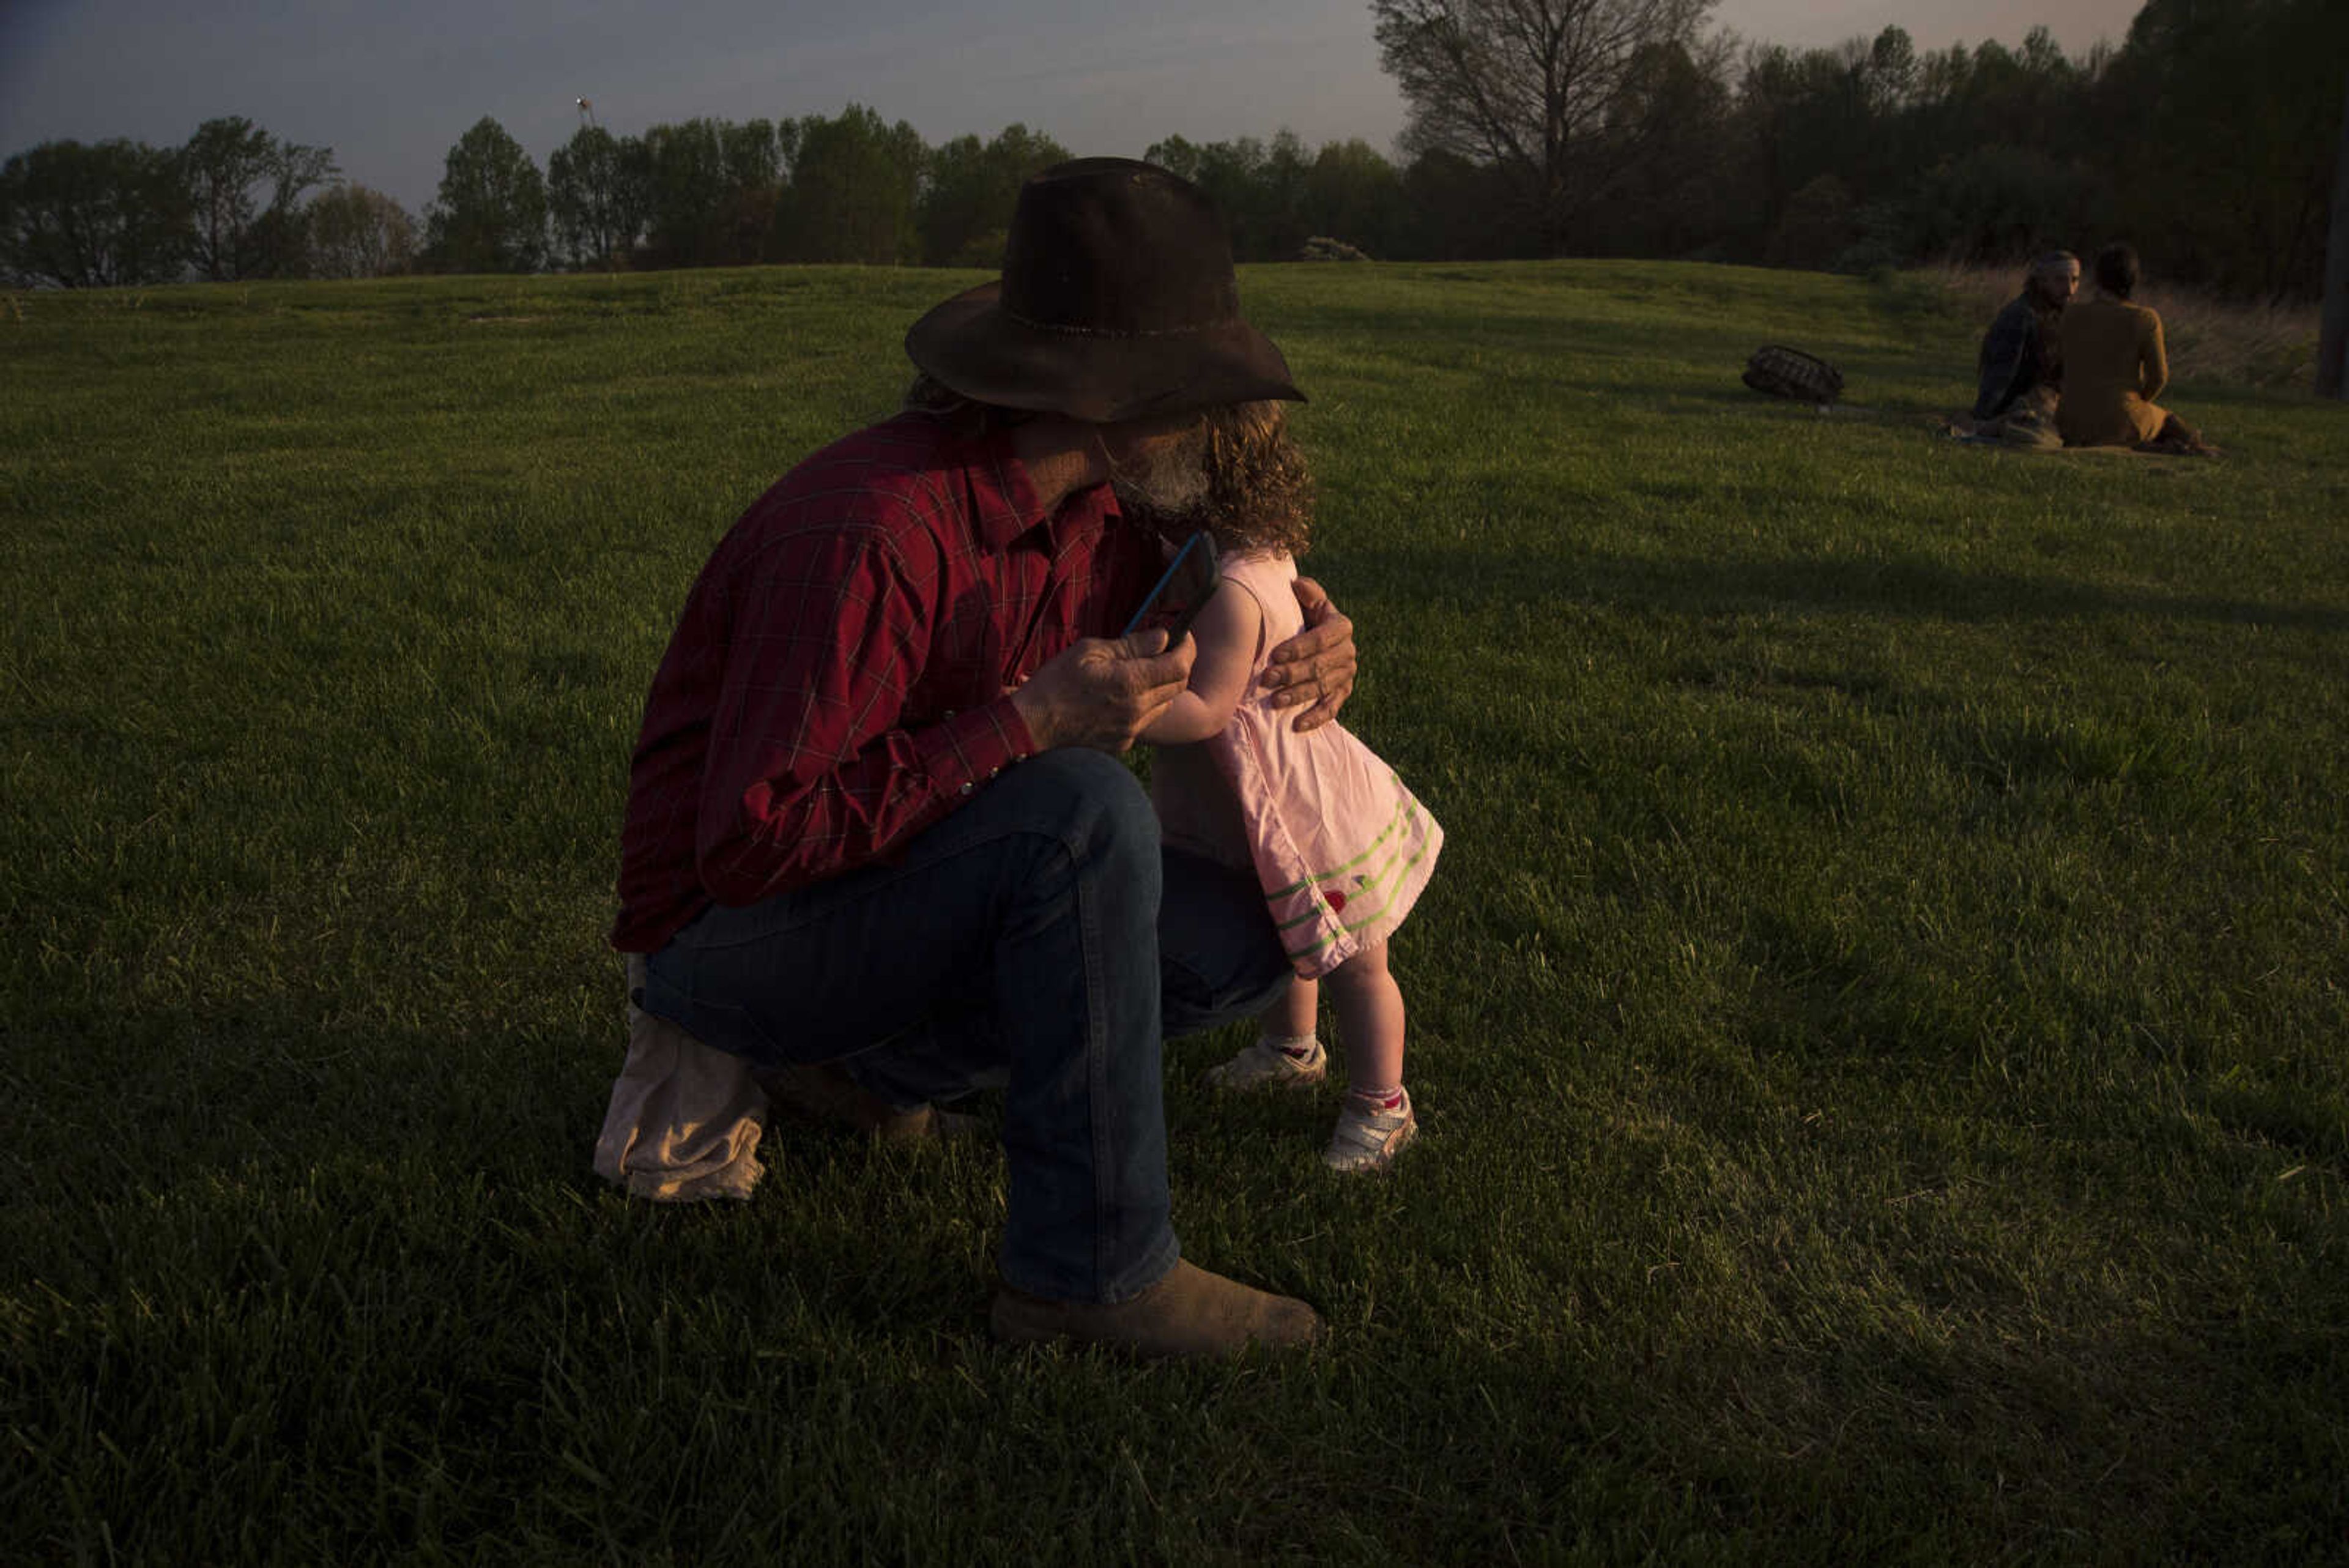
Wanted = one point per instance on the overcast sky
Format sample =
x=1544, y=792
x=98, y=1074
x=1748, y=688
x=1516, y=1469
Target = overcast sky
x=390, y=84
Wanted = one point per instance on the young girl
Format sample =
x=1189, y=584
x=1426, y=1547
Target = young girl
x=1340, y=845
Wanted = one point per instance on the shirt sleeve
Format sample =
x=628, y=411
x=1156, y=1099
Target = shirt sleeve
x=810, y=769
x=2005, y=352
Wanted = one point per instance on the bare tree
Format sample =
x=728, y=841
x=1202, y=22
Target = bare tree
x=245, y=187
x=1531, y=87
x=354, y=232
x=2333, y=347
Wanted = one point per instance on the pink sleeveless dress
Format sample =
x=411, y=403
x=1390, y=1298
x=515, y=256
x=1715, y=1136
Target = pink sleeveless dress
x=1341, y=849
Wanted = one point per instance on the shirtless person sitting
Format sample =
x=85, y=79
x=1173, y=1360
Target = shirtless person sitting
x=2120, y=366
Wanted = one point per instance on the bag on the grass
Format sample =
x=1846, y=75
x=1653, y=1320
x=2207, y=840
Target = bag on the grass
x=1785, y=372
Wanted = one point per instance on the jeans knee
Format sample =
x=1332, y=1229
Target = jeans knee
x=1100, y=809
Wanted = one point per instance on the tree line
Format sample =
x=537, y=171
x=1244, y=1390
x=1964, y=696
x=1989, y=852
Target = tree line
x=1621, y=127
x=1537, y=128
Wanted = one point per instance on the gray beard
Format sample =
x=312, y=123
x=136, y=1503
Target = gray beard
x=1174, y=486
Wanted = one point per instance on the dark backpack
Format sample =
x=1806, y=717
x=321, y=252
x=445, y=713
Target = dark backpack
x=1785, y=372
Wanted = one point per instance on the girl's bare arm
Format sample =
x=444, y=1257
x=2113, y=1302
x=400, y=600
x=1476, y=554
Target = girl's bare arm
x=1227, y=631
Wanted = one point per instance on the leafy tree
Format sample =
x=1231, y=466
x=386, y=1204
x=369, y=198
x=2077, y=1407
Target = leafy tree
x=354, y=231
x=1261, y=191
x=1869, y=154
x=1527, y=87
x=244, y=188
x=1888, y=76
x=751, y=158
x=1801, y=117
x=492, y=211
x=714, y=190
x=965, y=209
x=91, y=216
x=1461, y=210
x=2000, y=204
x=1819, y=224
x=854, y=182
x=1353, y=194
x=2229, y=119
x=1674, y=192
x=597, y=193
x=687, y=189
x=1279, y=222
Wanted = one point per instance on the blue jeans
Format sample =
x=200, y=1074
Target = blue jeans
x=1038, y=939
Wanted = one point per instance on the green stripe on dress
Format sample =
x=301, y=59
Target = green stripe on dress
x=1369, y=883
x=1404, y=814
x=1370, y=919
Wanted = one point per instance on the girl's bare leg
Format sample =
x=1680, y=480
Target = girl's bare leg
x=1292, y=1017
x=1369, y=1004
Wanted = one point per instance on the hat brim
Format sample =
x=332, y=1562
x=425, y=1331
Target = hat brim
x=971, y=345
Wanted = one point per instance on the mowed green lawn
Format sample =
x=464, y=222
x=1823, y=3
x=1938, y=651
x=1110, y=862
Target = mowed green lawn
x=1879, y=1024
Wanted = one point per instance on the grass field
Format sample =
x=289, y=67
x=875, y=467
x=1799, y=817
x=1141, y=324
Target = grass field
x=1879, y=1025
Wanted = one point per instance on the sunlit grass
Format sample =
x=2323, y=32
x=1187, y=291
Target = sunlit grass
x=1878, y=1024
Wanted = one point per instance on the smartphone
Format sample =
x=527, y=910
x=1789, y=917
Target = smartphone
x=1189, y=581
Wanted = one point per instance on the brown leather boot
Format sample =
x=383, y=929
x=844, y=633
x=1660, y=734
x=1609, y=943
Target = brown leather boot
x=1191, y=1313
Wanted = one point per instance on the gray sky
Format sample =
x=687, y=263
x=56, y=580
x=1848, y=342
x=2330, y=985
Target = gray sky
x=390, y=85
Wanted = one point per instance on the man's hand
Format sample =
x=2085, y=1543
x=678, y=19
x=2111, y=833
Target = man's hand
x=1316, y=667
x=1104, y=693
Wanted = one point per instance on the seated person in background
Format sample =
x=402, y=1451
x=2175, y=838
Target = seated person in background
x=2115, y=366
x=2023, y=352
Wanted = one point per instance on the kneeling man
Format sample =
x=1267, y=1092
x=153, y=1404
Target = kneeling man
x=876, y=817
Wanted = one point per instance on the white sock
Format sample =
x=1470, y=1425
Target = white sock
x=1296, y=1047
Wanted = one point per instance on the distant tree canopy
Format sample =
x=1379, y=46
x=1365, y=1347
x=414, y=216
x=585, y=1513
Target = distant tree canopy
x=966, y=202
x=598, y=193
x=2231, y=116
x=1535, y=128
x=77, y=216
x=245, y=189
x=354, y=232
x=1625, y=128
x=492, y=211
x=855, y=183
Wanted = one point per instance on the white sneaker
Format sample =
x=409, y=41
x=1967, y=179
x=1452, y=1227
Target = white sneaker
x=1267, y=1065
x=1367, y=1139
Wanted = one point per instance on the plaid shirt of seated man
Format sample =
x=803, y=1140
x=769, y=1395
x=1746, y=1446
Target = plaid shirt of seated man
x=839, y=677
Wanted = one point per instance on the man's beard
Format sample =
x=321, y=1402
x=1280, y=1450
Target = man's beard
x=1171, y=484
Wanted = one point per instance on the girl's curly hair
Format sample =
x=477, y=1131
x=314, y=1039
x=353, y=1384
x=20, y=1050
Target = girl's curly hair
x=1259, y=487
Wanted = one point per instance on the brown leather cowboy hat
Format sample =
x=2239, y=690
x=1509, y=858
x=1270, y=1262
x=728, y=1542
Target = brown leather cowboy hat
x=1117, y=301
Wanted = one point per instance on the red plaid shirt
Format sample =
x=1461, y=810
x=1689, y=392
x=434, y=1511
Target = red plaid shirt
x=838, y=679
